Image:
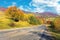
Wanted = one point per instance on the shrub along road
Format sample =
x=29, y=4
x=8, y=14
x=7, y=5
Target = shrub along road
x=34, y=33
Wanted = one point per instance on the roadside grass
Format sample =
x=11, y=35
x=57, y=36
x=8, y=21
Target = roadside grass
x=55, y=33
x=6, y=23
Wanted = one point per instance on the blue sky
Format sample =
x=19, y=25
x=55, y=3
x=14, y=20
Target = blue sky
x=33, y=5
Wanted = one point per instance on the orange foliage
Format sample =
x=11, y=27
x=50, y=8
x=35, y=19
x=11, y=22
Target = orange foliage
x=57, y=23
x=21, y=12
x=13, y=12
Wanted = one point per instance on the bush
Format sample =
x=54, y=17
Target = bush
x=33, y=20
x=52, y=25
x=57, y=23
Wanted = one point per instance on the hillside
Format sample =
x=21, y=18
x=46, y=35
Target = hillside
x=2, y=9
x=44, y=14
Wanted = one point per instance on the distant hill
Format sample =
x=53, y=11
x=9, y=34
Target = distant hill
x=44, y=14
x=2, y=9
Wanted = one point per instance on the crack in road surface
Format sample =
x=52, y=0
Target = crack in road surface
x=36, y=33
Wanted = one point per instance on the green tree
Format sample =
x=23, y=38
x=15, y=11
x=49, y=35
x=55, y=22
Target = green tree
x=33, y=20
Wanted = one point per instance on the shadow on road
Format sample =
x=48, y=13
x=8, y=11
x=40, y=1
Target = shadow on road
x=44, y=36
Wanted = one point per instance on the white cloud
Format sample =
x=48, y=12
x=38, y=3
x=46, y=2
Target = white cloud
x=38, y=10
x=25, y=9
x=21, y=7
x=50, y=3
x=58, y=9
x=36, y=3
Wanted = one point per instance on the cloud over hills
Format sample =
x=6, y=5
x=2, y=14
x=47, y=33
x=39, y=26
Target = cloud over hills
x=45, y=5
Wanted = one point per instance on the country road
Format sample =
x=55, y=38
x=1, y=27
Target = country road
x=35, y=33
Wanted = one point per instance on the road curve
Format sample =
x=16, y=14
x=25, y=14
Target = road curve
x=35, y=33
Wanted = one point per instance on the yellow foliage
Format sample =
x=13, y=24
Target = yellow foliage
x=26, y=17
x=2, y=13
x=30, y=15
x=57, y=23
x=22, y=24
x=41, y=21
x=14, y=13
x=4, y=23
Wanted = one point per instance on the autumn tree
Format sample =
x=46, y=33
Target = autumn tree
x=14, y=13
x=57, y=23
x=21, y=14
